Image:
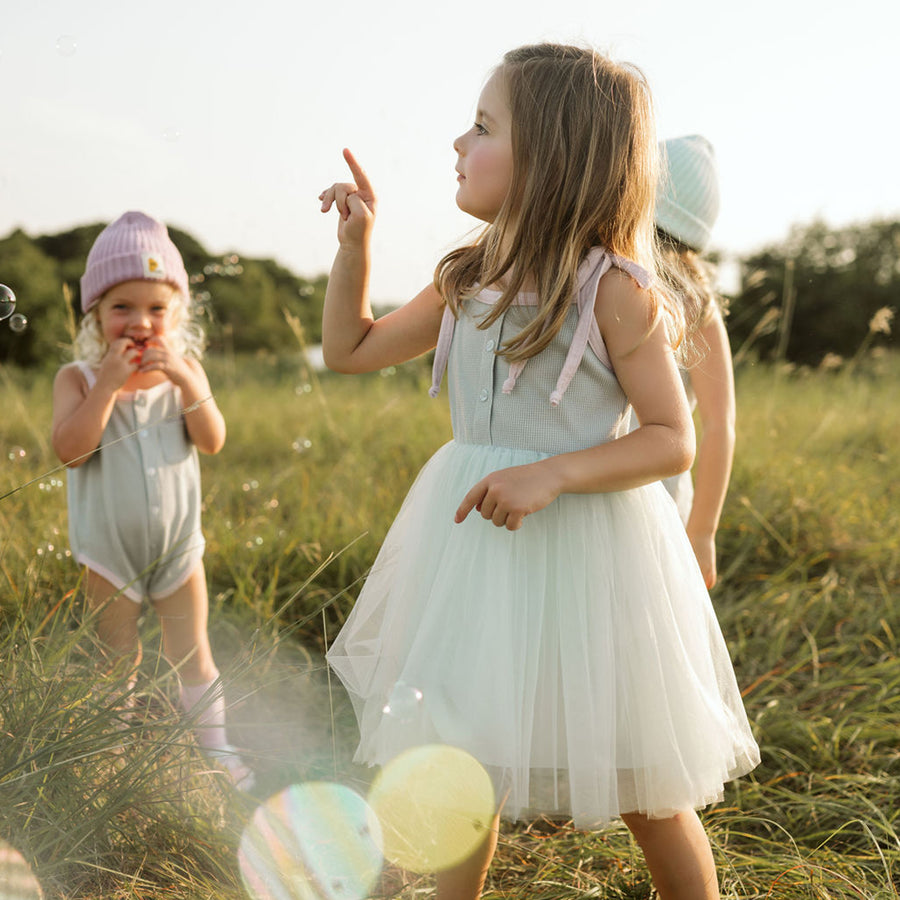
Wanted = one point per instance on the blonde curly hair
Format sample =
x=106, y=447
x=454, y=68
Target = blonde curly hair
x=183, y=332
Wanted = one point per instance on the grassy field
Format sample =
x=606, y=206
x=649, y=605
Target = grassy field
x=313, y=471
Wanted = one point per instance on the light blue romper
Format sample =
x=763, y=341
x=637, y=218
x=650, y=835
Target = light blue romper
x=134, y=506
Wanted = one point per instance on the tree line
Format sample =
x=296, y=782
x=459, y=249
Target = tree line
x=821, y=294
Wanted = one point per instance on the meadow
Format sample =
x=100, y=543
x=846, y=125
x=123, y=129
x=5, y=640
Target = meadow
x=295, y=506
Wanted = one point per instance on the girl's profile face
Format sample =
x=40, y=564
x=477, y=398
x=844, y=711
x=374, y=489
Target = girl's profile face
x=137, y=310
x=485, y=158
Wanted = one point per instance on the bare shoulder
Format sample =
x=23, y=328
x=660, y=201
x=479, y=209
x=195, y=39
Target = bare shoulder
x=69, y=378
x=623, y=309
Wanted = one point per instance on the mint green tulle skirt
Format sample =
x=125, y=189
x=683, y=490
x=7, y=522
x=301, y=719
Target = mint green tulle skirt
x=579, y=658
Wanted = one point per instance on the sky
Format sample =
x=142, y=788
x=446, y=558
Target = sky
x=227, y=119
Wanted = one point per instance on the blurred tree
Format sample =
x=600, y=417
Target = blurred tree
x=832, y=282
x=243, y=300
x=34, y=278
x=817, y=294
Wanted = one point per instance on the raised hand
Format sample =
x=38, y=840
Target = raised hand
x=121, y=361
x=157, y=356
x=355, y=202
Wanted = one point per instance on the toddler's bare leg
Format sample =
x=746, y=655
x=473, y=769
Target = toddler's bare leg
x=117, y=620
x=183, y=616
x=678, y=855
x=466, y=881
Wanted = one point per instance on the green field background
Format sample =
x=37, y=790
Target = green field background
x=314, y=468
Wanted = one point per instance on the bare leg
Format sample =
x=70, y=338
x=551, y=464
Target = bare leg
x=678, y=855
x=117, y=621
x=466, y=880
x=183, y=617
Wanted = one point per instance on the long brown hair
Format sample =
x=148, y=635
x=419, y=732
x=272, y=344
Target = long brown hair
x=584, y=174
x=691, y=278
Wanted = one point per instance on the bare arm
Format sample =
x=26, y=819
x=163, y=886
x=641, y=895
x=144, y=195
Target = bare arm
x=713, y=383
x=202, y=417
x=352, y=339
x=80, y=414
x=663, y=445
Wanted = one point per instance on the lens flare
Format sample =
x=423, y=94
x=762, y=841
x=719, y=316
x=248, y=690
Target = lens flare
x=435, y=804
x=313, y=841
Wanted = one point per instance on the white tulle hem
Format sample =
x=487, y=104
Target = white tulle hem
x=578, y=659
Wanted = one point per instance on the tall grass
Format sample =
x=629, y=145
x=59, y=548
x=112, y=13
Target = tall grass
x=104, y=792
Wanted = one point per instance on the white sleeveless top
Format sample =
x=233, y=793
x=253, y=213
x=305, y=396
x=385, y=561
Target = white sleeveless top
x=565, y=398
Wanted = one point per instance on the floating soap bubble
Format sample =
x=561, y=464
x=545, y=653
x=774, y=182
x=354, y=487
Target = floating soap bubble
x=301, y=444
x=66, y=45
x=7, y=302
x=303, y=389
x=18, y=323
x=314, y=841
x=435, y=804
x=404, y=703
x=16, y=879
x=17, y=453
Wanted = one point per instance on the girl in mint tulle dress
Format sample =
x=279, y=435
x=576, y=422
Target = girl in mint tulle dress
x=537, y=586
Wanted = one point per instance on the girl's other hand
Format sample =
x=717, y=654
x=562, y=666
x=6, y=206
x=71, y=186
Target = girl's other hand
x=705, y=550
x=157, y=356
x=505, y=497
x=120, y=363
x=355, y=202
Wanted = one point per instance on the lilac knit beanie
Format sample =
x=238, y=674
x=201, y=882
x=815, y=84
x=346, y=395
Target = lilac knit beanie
x=688, y=202
x=136, y=247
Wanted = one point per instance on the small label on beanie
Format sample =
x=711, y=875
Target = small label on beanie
x=153, y=265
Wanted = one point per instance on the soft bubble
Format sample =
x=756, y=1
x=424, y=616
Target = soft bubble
x=301, y=444
x=66, y=45
x=435, y=804
x=303, y=389
x=405, y=702
x=310, y=842
x=7, y=302
x=17, y=453
x=18, y=323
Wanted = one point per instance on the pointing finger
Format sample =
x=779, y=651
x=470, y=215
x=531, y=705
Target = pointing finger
x=470, y=501
x=359, y=175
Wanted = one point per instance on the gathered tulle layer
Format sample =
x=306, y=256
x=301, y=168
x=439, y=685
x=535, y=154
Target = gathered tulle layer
x=578, y=659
